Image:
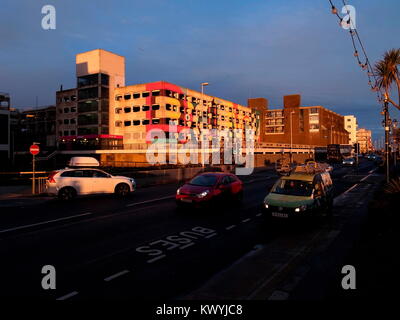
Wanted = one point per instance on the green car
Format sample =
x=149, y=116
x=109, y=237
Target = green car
x=300, y=194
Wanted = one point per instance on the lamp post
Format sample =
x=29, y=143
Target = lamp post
x=386, y=125
x=203, y=84
x=394, y=134
x=291, y=135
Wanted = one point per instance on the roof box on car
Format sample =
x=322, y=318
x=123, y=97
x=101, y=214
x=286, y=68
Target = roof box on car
x=83, y=162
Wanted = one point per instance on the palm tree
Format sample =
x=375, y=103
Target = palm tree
x=388, y=73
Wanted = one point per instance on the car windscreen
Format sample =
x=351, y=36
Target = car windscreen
x=204, y=180
x=293, y=187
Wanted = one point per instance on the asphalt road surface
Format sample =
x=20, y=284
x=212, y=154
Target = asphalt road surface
x=137, y=247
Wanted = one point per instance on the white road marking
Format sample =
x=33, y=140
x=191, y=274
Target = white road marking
x=45, y=222
x=210, y=235
x=116, y=275
x=230, y=227
x=69, y=295
x=149, y=201
x=156, y=258
x=246, y=220
x=258, y=214
x=187, y=245
x=337, y=198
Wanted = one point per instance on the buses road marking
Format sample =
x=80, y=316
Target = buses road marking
x=118, y=274
x=69, y=295
x=150, y=201
x=230, y=227
x=210, y=235
x=258, y=214
x=45, y=222
x=187, y=245
x=156, y=258
x=246, y=220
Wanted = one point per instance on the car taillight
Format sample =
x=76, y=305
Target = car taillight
x=51, y=177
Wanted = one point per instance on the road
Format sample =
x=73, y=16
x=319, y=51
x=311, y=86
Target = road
x=137, y=247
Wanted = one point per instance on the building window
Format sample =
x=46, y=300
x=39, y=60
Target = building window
x=118, y=98
x=118, y=110
x=182, y=109
x=168, y=107
x=135, y=108
x=73, y=133
x=118, y=123
x=146, y=121
x=314, y=127
x=127, y=96
x=145, y=94
x=87, y=106
x=66, y=121
x=155, y=93
x=73, y=98
x=66, y=133
x=72, y=121
x=66, y=99
x=314, y=111
x=136, y=95
x=145, y=108
x=155, y=121
x=127, y=123
x=66, y=110
x=155, y=107
x=127, y=109
x=73, y=109
x=136, y=122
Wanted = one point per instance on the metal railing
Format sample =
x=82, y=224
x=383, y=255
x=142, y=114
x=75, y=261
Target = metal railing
x=40, y=185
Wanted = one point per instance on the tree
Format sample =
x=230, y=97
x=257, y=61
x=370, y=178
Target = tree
x=387, y=72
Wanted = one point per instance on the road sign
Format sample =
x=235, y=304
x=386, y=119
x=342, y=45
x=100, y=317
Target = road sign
x=34, y=149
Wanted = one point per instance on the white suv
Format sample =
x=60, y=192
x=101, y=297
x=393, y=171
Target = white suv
x=70, y=182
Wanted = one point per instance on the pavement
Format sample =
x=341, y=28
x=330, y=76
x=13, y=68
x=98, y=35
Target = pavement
x=139, y=247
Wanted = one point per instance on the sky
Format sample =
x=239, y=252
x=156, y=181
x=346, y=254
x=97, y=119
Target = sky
x=253, y=48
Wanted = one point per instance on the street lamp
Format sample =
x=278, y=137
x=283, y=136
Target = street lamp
x=291, y=136
x=203, y=84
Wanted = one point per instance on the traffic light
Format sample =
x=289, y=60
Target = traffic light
x=356, y=148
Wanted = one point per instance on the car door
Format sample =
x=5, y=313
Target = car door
x=226, y=188
x=236, y=185
x=101, y=182
x=77, y=180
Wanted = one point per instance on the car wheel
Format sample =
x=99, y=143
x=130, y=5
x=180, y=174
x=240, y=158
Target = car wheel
x=67, y=193
x=122, y=189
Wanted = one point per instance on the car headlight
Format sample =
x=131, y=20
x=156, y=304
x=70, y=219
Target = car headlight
x=203, y=194
x=301, y=208
x=266, y=205
x=178, y=191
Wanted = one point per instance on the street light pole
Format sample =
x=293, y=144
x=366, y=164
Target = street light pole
x=386, y=115
x=291, y=136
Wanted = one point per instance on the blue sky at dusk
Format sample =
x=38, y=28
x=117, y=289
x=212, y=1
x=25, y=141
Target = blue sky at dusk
x=255, y=48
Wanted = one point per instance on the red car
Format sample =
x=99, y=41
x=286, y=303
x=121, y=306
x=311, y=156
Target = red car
x=208, y=188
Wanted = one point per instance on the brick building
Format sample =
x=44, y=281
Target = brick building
x=312, y=125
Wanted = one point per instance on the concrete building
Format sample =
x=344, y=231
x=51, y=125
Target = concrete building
x=351, y=125
x=66, y=109
x=109, y=115
x=4, y=128
x=37, y=125
x=365, y=140
x=311, y=125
